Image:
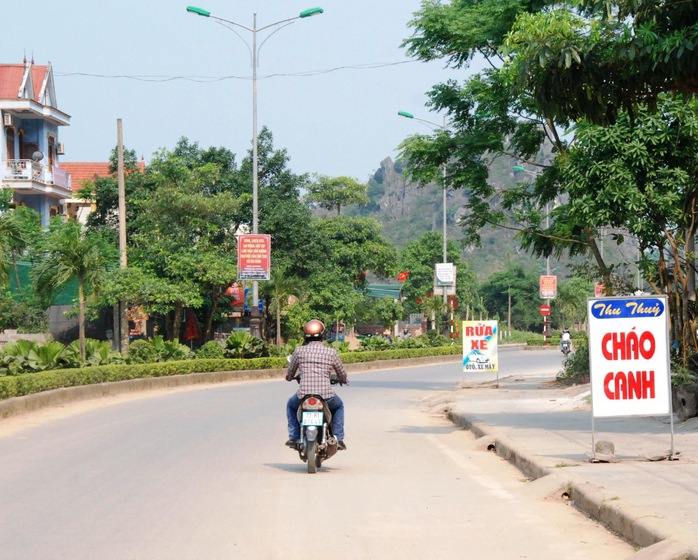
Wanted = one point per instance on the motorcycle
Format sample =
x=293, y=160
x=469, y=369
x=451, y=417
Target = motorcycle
x=566, y=347
x=317, y=442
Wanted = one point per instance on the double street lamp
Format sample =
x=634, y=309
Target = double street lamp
x=254, y=53
x=445, y=188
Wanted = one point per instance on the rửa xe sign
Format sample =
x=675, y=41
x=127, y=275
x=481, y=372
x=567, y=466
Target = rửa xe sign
x=629, y=356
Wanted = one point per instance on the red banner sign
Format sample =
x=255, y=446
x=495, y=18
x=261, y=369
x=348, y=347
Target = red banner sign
x=548, y=287
x=254, y=257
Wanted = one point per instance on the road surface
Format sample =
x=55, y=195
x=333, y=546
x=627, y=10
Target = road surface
x=203, y=474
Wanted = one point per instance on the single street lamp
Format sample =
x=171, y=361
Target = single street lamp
x=445, y=187
x=254, y=53
x=547, y=214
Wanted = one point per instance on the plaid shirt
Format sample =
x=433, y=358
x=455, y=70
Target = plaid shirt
x=315, y=362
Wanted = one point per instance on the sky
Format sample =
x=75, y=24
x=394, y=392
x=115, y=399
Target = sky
x=329, y=87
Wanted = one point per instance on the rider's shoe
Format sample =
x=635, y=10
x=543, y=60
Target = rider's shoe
x=341, y=446
x=292, y=443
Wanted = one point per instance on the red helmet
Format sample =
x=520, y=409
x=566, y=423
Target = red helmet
x=313, y=329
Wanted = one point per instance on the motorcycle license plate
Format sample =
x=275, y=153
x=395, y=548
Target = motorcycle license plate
x=312, y=418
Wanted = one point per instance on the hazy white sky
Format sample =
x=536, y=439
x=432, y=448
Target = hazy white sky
x=329, y=87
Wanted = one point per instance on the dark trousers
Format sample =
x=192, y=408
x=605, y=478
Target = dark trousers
x=336, y=407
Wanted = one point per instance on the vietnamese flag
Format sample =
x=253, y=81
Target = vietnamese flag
x=403, y=275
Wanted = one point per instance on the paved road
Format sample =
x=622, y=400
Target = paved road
x=203, y=474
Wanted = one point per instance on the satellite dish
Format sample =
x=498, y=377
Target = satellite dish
x=37, y=156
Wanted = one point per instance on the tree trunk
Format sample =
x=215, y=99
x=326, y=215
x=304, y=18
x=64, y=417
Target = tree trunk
x=177, y=321
x=215, y=298
x=598, y=257
x=278, y=325
x=81, y=318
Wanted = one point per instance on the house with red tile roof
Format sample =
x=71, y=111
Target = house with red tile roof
x=83, y=174
x=29, y=143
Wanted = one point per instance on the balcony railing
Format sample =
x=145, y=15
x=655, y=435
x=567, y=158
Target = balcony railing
x=29, y=170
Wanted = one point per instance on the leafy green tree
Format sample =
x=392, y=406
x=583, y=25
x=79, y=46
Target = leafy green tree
x=524, y=289
x=280, y=288
x=490, y=119
x=331, y=193
x=419, y=258
x=103, y=192
x=638, y=175
x=67, y=254
x=388, y=311
x=184, y=233
x=330, y=297
x=296, y=244
x=608, y=58
x=571, y=302
x=13, y=239
x=357, y=245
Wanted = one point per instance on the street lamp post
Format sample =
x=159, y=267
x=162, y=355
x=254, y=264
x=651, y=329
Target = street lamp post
x=254, y=53
x=547, y=211
x=445, y=188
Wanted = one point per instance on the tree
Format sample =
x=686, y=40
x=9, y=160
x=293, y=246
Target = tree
x=332, y=193
x=279, y=289
x=491, y=118
x=639, y=175
x=330, y=297
x=184, y=232
x=68, y=253
x=419, y=257
x=608, y=59
x=11, y=241
x=523, y=288
x=389, y=311
x=571, y=302
x=357, y=245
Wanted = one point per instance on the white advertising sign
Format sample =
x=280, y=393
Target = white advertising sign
x=445, y=274
x=480, y=346
x=629, y=356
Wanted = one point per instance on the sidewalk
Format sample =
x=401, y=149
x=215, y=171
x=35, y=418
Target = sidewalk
x=546, y=430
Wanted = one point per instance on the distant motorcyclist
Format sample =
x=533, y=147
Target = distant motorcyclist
x=565, y=338
x=315, y=362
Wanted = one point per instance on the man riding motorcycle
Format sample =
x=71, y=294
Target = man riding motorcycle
x=316, y=362
x=566, y=338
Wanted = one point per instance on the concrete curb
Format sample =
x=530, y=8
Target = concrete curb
x=61, y=397
x=658, y=539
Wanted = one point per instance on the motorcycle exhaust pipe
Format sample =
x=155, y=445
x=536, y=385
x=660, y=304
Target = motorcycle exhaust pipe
x=331, y=446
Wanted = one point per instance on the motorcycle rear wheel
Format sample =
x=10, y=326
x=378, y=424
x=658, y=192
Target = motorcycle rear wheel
x=311, y=454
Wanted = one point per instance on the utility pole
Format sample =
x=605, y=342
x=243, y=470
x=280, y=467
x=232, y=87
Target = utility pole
x=121, y=333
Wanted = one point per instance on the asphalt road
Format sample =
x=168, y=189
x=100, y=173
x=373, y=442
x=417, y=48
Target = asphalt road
x=203, y=474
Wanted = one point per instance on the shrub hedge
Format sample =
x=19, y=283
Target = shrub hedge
x=30, y=383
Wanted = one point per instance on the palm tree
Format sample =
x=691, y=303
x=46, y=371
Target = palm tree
x=280, y=287
x=11, y=240
x=434, y=307
x=69, y=254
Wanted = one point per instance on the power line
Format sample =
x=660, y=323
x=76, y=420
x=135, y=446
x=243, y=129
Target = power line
x=212, y=79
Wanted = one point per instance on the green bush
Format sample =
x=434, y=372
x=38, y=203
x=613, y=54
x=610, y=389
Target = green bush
x=157, y=349
x=213, y=349
x=412, y=343
x=373, y=343
x=20, y=385
x=142, y=352
x=576, y=366
x=24, y=317
x=241, y=344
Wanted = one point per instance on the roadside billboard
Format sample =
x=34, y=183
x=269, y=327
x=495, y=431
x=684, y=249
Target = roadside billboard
x=629, y=356
x=548, y=287
x=254, y=257
x=480, y=346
